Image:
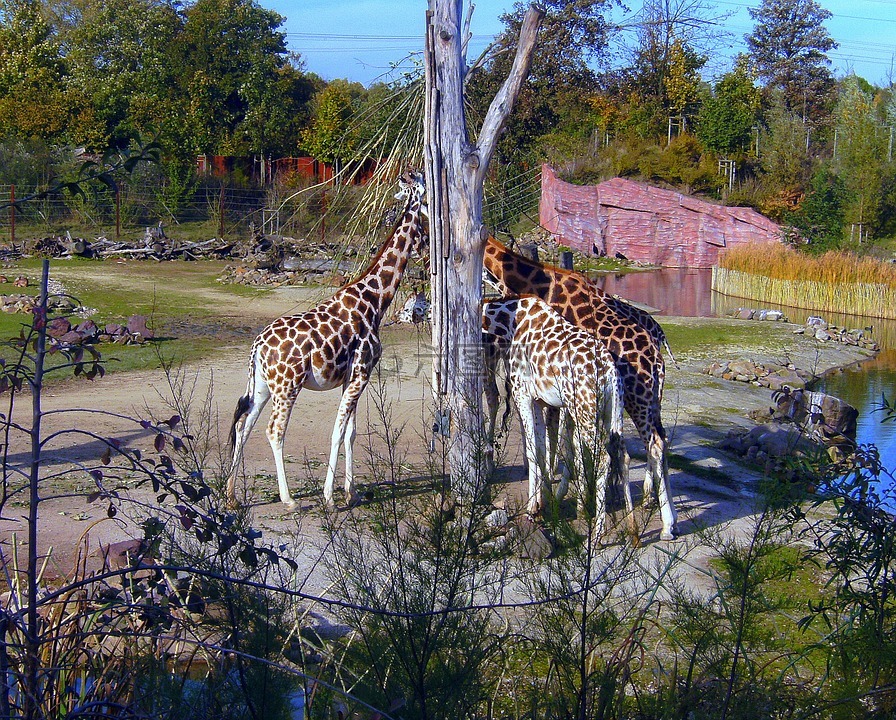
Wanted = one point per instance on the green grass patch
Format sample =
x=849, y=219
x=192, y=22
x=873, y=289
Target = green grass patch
x=191, y=313
x=721, y=338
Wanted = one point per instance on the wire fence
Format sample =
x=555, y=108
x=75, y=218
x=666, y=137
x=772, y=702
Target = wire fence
x=222, y=210
x=132, y=207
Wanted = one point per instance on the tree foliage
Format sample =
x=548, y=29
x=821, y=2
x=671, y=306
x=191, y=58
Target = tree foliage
x=727, y=118
x=573, y=39
x=788, y=45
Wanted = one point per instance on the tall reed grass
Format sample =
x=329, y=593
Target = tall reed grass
x=833, y=282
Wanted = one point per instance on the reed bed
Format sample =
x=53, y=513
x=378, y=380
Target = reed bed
x=833, y=282
x=784, y=263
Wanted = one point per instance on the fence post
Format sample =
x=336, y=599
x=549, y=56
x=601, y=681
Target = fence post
x=221, y=214
x=117, y=213
x=12, y=215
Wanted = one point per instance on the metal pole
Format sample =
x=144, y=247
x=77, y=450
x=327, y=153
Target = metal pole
x=12, y=215
x=117, y=213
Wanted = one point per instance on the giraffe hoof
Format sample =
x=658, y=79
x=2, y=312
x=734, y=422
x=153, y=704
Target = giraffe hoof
x=668, y=535
x=354, y=499
x=291, y=505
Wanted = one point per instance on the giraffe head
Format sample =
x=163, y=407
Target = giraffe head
x=412, y=192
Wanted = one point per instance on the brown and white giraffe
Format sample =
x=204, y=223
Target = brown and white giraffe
x=631, y=335
x=334, y=344
x=554, y=364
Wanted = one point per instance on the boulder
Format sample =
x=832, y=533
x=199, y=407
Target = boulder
x=137, y=328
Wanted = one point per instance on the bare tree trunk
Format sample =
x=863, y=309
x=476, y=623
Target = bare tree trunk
x=455, y=172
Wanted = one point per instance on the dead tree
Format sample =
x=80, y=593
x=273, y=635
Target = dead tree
x=455, y=172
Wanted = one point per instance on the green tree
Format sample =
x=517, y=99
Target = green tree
x=860, y=149
x=232, y=57
x=726, y=119
x=119, y=66
x=820, y=216
x=331, y=137
x=788, y=46
x=784, y=157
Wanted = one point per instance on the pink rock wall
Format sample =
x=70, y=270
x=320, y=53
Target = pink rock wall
x=644, y=223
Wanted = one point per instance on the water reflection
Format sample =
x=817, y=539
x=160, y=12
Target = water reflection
x=688, y=292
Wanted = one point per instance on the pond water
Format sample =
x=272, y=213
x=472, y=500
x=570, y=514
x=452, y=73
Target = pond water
x=688, y=292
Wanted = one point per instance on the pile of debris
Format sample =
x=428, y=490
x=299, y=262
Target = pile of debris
x=770, y=375
x=815, y=326
x=153, y=245
x=825, y=332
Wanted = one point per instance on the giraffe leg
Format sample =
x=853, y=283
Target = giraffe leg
x=349, y=446
x=256, y=397
x=534, y=441
x=668, y=513
x=281, y=407
x=566, y=450
x=492, y=400
x=345, y=416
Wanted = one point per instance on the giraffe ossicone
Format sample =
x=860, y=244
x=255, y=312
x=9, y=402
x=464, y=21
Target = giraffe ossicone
x=632, y=336
x=335, y=344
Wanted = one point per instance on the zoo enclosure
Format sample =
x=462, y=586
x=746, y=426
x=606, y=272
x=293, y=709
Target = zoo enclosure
x=288, y=204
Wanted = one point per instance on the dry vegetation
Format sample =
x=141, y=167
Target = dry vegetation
x=833, y=282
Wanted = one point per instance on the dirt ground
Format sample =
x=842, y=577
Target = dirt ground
x=710, y=488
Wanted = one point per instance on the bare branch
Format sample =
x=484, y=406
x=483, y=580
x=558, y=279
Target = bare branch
x=503, y=102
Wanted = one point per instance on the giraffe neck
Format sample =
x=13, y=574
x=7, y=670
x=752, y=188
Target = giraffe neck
x=515, y=274
x=379, y=282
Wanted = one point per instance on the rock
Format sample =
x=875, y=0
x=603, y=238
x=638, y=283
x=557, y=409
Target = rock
x=137, y=327
x=822, y=416
x=88, y=329
x=822, y=335
x=57, y=327
x=786, y=378
x=73, y=337
x=533, y=542
x=745, y=314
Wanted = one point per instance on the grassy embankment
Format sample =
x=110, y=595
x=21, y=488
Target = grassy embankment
x=191, y=313
x=833, y=282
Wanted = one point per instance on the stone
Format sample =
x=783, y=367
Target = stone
x=88, y=329
x=533, y=542
x=745, y=314
x=137, y=327
x=57, y=327
x=822, y=335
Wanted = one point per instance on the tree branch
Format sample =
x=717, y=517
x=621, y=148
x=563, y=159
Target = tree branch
x=503, y=102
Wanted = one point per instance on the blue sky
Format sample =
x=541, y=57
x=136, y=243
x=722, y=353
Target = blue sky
x=359, y=39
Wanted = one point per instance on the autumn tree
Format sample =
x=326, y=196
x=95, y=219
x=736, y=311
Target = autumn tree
x=573, y=40
x=789, y=46
x=674, y=38
x=32, y=100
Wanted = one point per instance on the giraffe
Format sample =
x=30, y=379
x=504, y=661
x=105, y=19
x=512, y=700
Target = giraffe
x=334, y=344
x=554, y=364
x=631, y=335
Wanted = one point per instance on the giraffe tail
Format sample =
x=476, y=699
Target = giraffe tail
x=669, y=351
x=243, y=406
